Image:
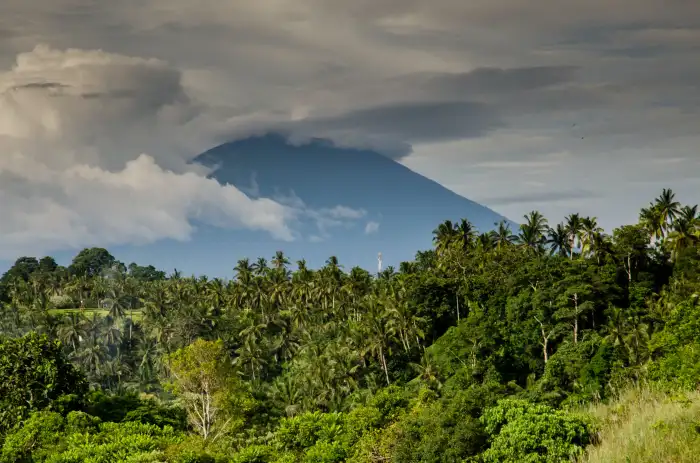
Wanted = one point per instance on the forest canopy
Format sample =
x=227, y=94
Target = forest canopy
x=489, y=347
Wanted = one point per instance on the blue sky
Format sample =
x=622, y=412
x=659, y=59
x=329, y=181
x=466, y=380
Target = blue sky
x=561, y=106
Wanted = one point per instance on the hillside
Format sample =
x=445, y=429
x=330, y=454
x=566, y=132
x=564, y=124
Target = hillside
x=405, y=205
x=497, y=348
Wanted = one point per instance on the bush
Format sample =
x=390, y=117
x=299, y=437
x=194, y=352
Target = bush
x=62, y=302
x=524, y=432
x=255, y=454
x=35, y=373
x=35, y=439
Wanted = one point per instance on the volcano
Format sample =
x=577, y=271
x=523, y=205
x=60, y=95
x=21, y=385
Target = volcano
x=401, y=207
x=384, y=206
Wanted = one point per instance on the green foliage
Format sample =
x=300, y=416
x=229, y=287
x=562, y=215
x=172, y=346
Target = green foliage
x=117, y=442
x=92, y=262
x=34, y=440
x=328, y=365
x=129, y=407
x=303, y=431
x=645, y=425
x=34, y=373
x=677, y=347
x=62, y=301
x=440, y=432
x=48, y=437
x=214, y=399
x=524, y=432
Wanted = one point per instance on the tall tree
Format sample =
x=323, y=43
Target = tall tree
x=668, y=208
x=91, y=262
x=574, y=226
x=215, y=400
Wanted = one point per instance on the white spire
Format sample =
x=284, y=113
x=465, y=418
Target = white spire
x=379, y=262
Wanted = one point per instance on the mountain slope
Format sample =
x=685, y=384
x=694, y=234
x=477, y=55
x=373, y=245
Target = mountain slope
x=401, y=209
x=406, y=205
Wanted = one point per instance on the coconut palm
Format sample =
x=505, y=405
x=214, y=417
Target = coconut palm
x=444, y=235
x=683, y=232
x=589, y=231
x=652, y=220
x=502, y=235
x=574, y=227
x=558, y=240
x=532, y=232
x=466, y=232
x=668, y=208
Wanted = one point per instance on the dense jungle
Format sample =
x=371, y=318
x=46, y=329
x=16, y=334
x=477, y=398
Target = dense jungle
x=547, y=343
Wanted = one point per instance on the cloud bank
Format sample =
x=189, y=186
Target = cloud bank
x=73, y=127
x=515, y=103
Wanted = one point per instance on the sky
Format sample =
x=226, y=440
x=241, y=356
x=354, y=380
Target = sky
x=556, y=105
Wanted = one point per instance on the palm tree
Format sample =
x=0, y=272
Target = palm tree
x=427, y=371
x=72, y=329
x=532, y=232
x=558, y=240
x=444, y=235
x=260, y=266
x=668, y=208
x=117, y=303
x=589, y=231
x=600, y=245
x=280, y=261
x=650, y=217
x=502, y=236
x=690, y=215
x=378, y=335
x=486, y=241
x=407, y=267
x=683, y=231
x=573, y=226
x=537, y=222
x=466, y=232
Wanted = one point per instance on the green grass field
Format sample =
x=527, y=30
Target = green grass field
x=89, y=311
x=644, y=426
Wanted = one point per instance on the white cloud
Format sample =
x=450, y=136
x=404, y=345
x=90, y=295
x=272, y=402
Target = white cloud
x=621, y=91
x=73, y=127
x=344, y=212
x=46, y=209
x=371, y=227
x=95, y=107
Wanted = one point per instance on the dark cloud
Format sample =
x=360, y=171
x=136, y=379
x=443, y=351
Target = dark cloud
x=389, y=129
x=40, y=85
x=497, y=80
x=543, y=197
x=494, y=93
x=500, y=80
x=418, y=122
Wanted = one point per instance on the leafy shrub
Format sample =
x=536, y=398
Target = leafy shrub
x=438, y=432
x=303, y=431
x=34, y=439
x=524, y=432
x=255, y=454
x=62, y=301
x=117, y=443
x=325, y=452
x=129, y=407
x=34, y=373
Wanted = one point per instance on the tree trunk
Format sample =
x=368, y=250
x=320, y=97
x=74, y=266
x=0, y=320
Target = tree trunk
x=629, y=269
x=386, y=370
x=575, y=318
x=572, y=242
x=544, y=348
x=545, y=340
